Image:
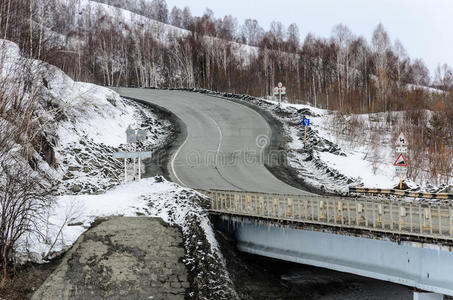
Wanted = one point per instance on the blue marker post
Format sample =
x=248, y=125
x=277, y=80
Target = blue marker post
x=305, y=123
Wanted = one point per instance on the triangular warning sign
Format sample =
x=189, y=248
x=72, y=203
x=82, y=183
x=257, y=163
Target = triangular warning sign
x=401, y=140
x=400, y=161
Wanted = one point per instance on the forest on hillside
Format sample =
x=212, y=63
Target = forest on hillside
x=157, y=47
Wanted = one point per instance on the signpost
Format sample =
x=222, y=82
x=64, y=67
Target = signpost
x=279, y=90
x=400, y=162
x=132, y=137
x=305, y=123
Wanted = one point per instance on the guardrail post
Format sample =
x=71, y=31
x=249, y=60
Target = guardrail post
x=374, y=213
x=266, y=205
x=243, y=203
x=320, y=210
x=290, y=207
x=306, y=209
x=335, y=211
x=349, y=212
x=426, y=217
x=299, y=208
x=366, y=212
x=260, y=208
x=274, y=210
x=440, y=220
x=450, y=227
x=340, y=212
x=356, y=213
x=217, y=200
x=248, y=204
x=312, y=208
x=421, y=220
x=402, y=214
x=381, y=215
x=411, y=218
x=391, y=216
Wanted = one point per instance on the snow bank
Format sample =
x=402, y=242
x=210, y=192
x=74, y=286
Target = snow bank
x=130, y=199
x=153, y=197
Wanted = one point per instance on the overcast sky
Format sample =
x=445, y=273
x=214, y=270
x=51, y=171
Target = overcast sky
x=424, y=27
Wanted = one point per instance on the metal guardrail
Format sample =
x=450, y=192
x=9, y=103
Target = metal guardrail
x=442, y=196
x=418, y=220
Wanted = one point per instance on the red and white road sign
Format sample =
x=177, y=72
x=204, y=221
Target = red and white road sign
x=400, y=161
x=401, y=140
x=280, y=84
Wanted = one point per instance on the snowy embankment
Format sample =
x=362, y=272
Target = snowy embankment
x=153, y=197
x=328, y=161
x=344, y=151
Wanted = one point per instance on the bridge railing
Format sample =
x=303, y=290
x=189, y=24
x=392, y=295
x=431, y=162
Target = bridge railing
x=394, y=217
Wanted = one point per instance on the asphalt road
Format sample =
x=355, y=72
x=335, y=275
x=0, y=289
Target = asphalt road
x=224, y=145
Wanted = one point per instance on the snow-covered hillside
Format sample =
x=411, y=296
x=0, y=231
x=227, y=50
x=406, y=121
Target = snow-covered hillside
x=85, y=124
x=84, y=14
x=81, y=125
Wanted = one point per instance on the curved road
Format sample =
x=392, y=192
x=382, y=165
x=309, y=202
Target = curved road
x=224, y=145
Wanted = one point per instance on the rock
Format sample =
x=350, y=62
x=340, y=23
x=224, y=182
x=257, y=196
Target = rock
x=76, y=224
x=76, y=188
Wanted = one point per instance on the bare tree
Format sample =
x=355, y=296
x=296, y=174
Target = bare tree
x=401, y=56
x=420, y=72
x=381, y=43
x=293, y=38
x=343, y=38
x=186, y=18
x=176, y=17
x=159, y=10
x=252, y=32
x=25, y=191
x=278, y=32
x=444, y=77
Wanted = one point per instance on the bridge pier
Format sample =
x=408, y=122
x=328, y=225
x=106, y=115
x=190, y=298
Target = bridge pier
x=427, y=296
x=424, y=266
